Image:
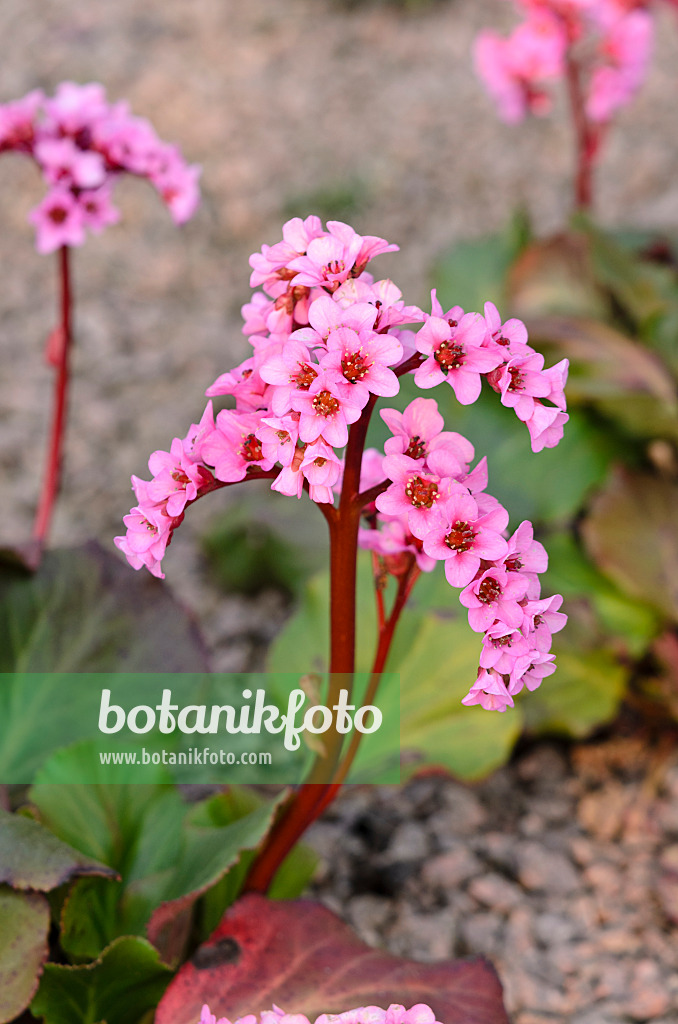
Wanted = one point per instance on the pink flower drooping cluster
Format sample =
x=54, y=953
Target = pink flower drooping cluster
x=436, y=508
x=395, y=1014
x=609, y=42
x=81, y=143
x=328, y=341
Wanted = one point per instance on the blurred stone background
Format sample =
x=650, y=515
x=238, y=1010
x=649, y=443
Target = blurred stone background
x=290, y=106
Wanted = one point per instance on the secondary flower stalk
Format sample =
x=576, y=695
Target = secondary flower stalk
x=601, y=50
x=81, y=144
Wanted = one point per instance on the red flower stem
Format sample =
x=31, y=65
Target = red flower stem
x=586, y=135
x=317, y=792
x=52, y=475
x=378, y=588
x=386, y=633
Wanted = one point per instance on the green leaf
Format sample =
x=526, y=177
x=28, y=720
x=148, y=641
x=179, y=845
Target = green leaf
x=166, y=853
x=437, y=659
x=86, y=611
x=23, y=949
x=556, y=275
x=624, y=275
x=584, y=692
x=205, y=857
x=621, y=377
x=125, y=983
x=546, y=487
x=31, y=857
x=474, y=271
x=625, y=622
x=435, y=674
x=631, y=533
x=264, y=541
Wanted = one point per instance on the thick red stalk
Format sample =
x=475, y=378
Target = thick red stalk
x=317, y=792
x=58, y=353
x=586, y=135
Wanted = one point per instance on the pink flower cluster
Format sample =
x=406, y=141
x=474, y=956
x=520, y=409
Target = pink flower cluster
x=81, y=143
x=395, y=1014
x=328, y=341
x=436, y=508
x=610, y=41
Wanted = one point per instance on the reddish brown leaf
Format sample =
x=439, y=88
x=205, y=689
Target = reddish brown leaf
x=31, y=857
x=631, y=533
x=24, y=923
x=607, y=364
x=300, y=956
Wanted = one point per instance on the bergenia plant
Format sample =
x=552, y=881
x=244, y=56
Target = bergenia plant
x=329, y=342
x=81, y=143
x=599, y=48
x=395, y=1014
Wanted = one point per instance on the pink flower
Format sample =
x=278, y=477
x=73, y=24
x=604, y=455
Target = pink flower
x=337, y=255
x=395, y=1014
x=515, y=70
x=176, y=478
x=455, y=354
x=511, y=336
x=97, y=209
x=393, y=538
x=489, y=690
x=461, y=537
x=546, y=426
x=530, y=671
x=626, y=49
x=363, y=360
x=326, y=410
x=17, y=122
x=494, y=596
x=233, y=447
x=148, y=534
x=81, y=143
x=292, y=370
x=58, y=220
x=418, y=431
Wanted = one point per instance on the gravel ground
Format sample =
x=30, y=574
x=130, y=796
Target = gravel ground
x=565, y=873
x=563, y=870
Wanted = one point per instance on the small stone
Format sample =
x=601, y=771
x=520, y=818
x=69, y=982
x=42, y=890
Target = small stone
x=541, y=869
x=449, y=870
x=603, y=877
x=467, y=811
x=498, y=849
x=519, y=937
x=649, y=997
x=602, y=812
x=495, y=892
x=543, y=765
x=532, y=824
x=555, y=929
x=425, y=937
x=368, y=914
x=618, y=940
x=482, y=933
x=409, y=842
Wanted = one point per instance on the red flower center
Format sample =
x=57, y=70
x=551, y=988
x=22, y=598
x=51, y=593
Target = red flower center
x=325, y=404
x=251, y=449
x=460, y=538
x=304, y=378
x=422, y=493
x=416, y=448
x=354, y=367
x=489, y=590
x=449, y=356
